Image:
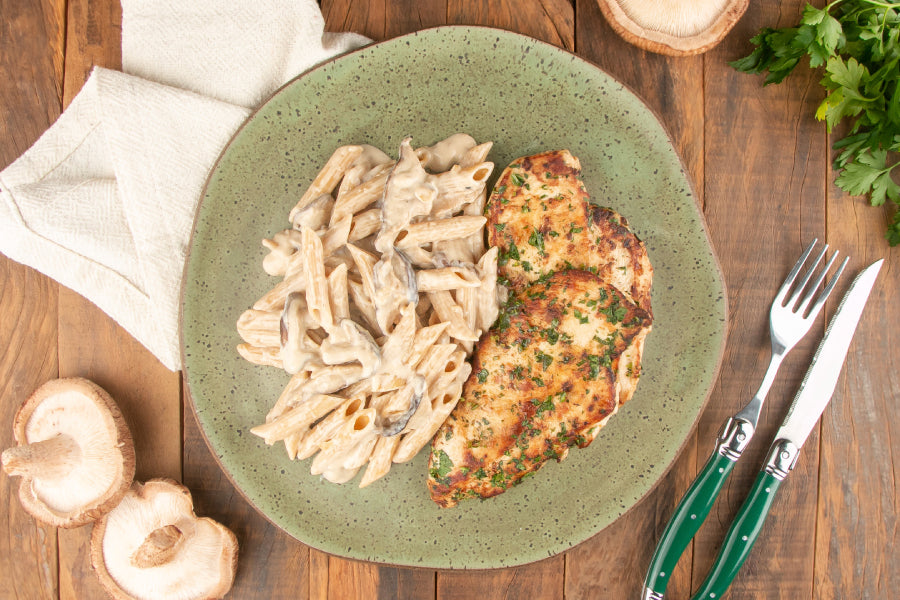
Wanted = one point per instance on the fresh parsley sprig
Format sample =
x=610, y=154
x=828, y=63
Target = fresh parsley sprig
x=858, y=44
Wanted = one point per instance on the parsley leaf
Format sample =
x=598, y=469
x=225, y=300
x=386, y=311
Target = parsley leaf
x=858, y=42
x=443, y=468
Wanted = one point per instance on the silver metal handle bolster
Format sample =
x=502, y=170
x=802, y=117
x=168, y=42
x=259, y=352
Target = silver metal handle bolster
x=782, y=458
x=651, y=595
x=735, y=435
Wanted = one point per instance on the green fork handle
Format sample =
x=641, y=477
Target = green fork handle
x=695, y=506
x=689, y=515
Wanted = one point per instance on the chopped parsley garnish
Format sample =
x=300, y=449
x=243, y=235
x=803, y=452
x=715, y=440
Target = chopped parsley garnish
x=482, y=375
x=615, y=312
x=541, y=407
x=444, y=466
x=594, y=363
x=537, y=240
x=545, y=359
x=517, y=179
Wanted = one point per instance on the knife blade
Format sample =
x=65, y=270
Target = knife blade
x=813, y=396
x=822, y=376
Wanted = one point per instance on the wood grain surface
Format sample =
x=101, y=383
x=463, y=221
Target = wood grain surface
x=761, y=169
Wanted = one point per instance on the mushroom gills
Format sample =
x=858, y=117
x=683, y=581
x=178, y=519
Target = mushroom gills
x=153, y=545
x=674, y=17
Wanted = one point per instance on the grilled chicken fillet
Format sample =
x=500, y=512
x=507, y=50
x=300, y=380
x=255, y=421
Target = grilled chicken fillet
x=541, y=218
x=542, y=381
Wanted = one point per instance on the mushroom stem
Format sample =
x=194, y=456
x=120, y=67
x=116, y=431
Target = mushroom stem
x=159, y=547
x=52, y=458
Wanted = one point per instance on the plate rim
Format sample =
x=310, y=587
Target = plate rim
x=695, y=205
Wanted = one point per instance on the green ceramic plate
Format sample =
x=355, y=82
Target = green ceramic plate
x=527, y=97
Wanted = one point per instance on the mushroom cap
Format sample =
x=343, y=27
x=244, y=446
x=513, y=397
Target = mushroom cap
x=673, y=27
x=103, y=472
x=199, y=558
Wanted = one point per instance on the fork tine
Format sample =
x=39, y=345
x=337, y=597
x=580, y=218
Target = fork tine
x=820, y=301
x=789, y=280
x=814, y=287
x=793, y=302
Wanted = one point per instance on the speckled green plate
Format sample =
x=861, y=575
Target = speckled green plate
x=527, y=97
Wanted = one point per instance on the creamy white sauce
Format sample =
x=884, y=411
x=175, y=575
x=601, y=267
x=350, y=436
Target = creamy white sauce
x=447, y=152
x=297, y=350
x=281, y=247
x=348, y=342
x=408, y=194
x=315, y=215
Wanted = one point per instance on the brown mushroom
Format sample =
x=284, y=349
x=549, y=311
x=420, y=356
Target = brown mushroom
x=153, y=545
x=75, y=453
x=673, y=27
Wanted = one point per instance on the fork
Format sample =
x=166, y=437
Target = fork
x=790, y=318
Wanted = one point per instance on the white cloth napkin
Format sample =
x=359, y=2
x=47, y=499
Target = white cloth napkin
x=104, y=201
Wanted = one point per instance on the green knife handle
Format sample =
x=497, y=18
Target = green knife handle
x=749, y=521
x=695, y=506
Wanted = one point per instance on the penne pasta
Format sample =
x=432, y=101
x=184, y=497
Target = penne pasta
x=435, y=361
x=425, y=232
x=425, y=338
x=289, y=396
x=488, y=305
x=332, y=378
x=316, y=284
x=365, y=266
x=447, y=278
x=260, y=327
x=447, y=310
x=339, y=293
x=322, y=431
x=296, y=418
x=362, y=196
x=274, y=298
x=292, y=443
x=467, y=299
x=476, y=154
x=380, y=461
x=458, y=187
x=354, y=430
x=364, y=224
x=362, y=304
x=441, y=407
x=327, y=179
x=385, y=286
x=268, y=356
x=336, y=236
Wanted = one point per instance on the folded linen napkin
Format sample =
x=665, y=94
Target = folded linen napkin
x=104, y=201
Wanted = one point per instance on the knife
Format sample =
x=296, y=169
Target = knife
x=809, y=403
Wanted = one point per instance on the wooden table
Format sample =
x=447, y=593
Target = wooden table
x=760, y=164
